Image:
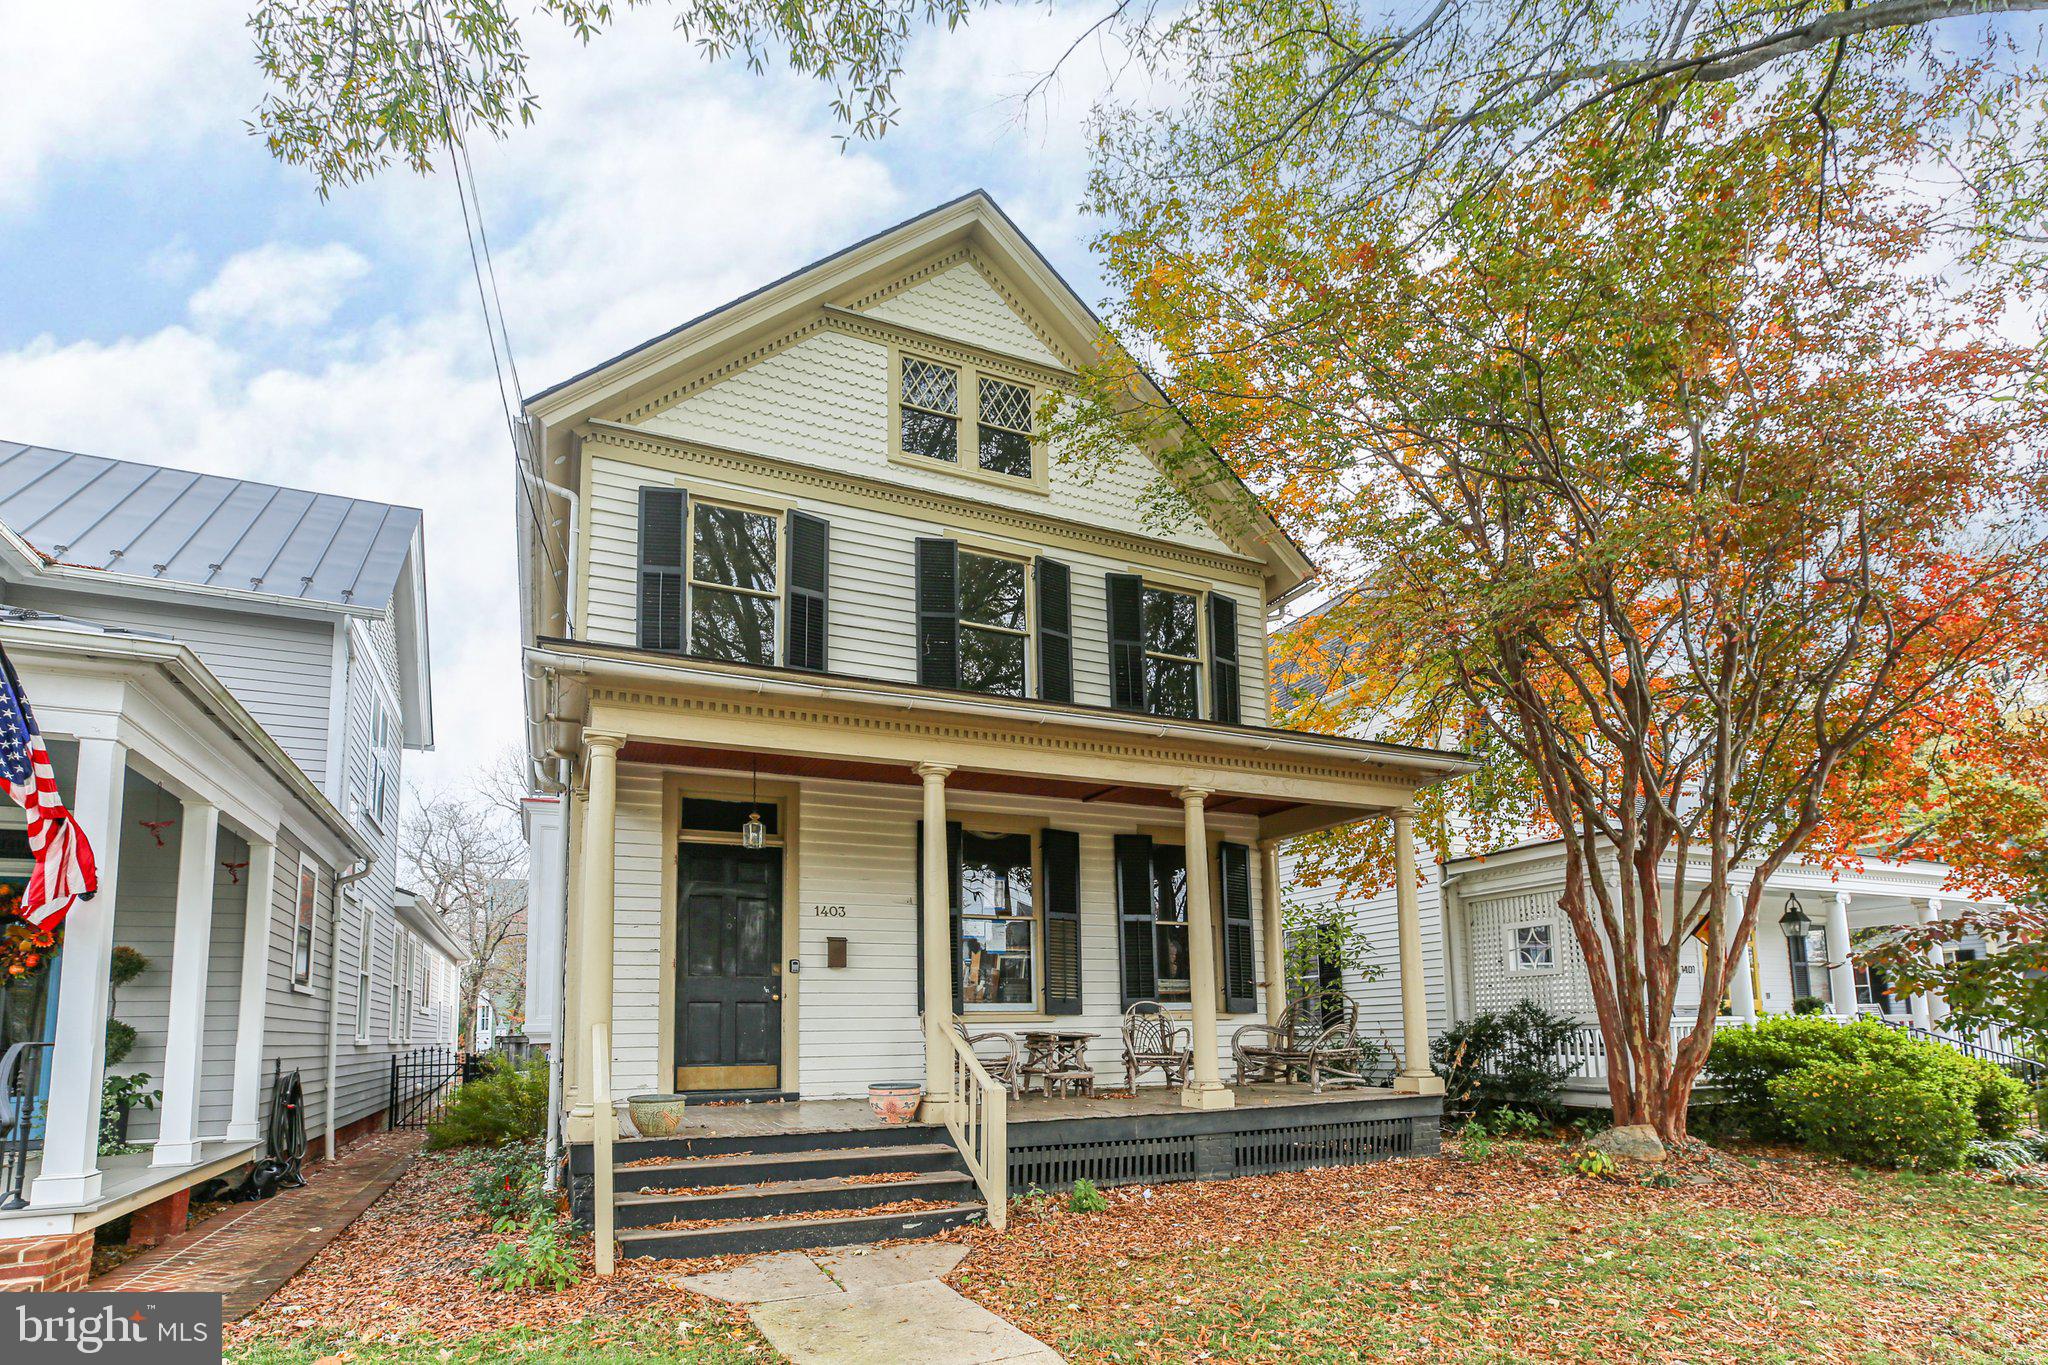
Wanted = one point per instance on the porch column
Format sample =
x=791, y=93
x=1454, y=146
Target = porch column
x=1205, y=1088
x=177, y=1141
x=1841, y=971
x=1277, y=984
x=938, y=943
x=1937, y=1007
x=1742, y=984
x=1416, y=1075
x=262, y=891
x=70, y=1171
x=600, y=828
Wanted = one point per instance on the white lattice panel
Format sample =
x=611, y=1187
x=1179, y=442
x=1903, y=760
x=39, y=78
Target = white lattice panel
x=1494, y=987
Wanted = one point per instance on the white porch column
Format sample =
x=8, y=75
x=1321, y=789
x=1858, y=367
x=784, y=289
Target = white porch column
x=1937, y=1007
x=70, y=1171
x=1841, y=971
x=1277, y=984
x=262, y=891
x=1416, y=1076
x=177, y=1141
x=1742, y=984
x=1205, y=1088
x=937, y=933
x=600, y=822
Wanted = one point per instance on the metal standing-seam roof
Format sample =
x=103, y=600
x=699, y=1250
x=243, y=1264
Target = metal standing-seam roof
x=177, y=526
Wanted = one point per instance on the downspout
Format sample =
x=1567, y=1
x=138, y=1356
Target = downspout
x=560, y=986
x=360, y=871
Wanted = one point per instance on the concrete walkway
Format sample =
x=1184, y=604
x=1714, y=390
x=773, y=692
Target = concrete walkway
x=855, y=1306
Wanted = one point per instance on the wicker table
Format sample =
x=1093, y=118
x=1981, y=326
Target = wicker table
x=1059, y=1058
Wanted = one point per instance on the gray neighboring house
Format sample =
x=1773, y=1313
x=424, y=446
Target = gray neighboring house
x=228, y=673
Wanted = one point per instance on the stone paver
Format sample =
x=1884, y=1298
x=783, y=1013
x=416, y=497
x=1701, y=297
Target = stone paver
x=244, y=1254
x=854, y=1306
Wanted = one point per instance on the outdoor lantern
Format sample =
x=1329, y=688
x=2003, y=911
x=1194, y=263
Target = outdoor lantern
x=1794, y=922
x=754, y=834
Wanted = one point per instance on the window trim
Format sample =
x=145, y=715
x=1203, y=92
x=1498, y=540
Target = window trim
x=1512, y=949
x=967, y=434
x=1032, y=828
x=305, y=923
x=692, y=585
x=962, y=548
x=397, y=958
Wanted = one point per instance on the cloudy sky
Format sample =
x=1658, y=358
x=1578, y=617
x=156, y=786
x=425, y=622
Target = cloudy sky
x=169, y=294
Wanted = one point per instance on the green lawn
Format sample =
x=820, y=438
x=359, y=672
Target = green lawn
x=1908, y=1268
x=605, y=1342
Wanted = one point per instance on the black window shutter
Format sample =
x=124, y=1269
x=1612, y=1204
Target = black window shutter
x=953, y=919
x=1055, y=631
x=1061, y=850
x=938, y=613
x=662, y=523
x=810, y=540
x=1127, y=641
x=1135, y=912
x=1223, y=703
x=1234, y=875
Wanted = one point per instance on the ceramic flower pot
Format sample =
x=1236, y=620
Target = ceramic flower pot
x=895, y=1101
x=656, y=1115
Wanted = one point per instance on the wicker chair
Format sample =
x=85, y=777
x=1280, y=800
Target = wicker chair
x=1304, y=1043
x=1152, y=1040
x=1002, y=1067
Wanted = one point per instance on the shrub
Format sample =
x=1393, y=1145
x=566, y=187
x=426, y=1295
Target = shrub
x=1512, y=1057
x=1086, y=1198
x=1473, y=1142
x=1748, y=1058
x=1809, y=1004
x=1866, y=1111
x=2007, y=1155
x=1594, y=1164
x=505, y=1104
x=540, y=1258
x=508, y=1188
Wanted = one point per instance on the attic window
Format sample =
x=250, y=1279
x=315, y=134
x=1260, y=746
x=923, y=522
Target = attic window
x=939, y=400
x=1005, y=428
x=931, y=410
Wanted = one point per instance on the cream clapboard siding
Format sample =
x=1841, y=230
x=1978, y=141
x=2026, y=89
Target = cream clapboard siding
x=280, y=667
x=824, y=402
x=960, y=302
x=857, y=848
x=872, y=613
x=1379, y=999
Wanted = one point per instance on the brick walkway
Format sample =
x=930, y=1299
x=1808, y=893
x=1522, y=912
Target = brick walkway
x=246, y=1253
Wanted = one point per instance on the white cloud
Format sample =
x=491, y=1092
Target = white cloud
x=278, y=285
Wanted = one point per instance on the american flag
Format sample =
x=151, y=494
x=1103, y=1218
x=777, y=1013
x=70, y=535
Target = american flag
x=64, y=870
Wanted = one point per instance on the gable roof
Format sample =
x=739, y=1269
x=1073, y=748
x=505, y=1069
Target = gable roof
x=973, y=218
x=204, y=530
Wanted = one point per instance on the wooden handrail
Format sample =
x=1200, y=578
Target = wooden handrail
x=604, y=1127
x=978, y=1117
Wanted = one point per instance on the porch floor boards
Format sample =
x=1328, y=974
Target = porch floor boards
x=844, y=1116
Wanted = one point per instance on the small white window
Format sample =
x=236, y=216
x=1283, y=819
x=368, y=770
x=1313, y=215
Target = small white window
x=302, y=929
x=383, y=760
x=1532, y=947
x=363, y=984
x=397, y=983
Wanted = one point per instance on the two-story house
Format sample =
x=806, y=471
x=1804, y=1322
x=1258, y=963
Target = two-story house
x=228, y=674
x=884, y=725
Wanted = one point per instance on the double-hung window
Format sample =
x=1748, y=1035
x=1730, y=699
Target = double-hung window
x=998, y=922
x=363, y=974
x=934, y=400
x=1173, y=653
x=733, y=576
x=382, y=759
x=1170, y=921
x=994, y=624
x=397, y=1021
x=302, y=928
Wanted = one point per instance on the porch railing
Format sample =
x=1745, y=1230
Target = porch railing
x=979, y=1120
x=1983, y=1045
x=1585, y=1051
x=21, y=1072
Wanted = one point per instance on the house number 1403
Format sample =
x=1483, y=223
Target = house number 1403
x=830, y=912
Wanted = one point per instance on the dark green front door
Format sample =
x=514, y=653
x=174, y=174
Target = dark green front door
x=729, y=965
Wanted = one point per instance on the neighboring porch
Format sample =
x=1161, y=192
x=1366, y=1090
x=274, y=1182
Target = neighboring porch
x=179, y=793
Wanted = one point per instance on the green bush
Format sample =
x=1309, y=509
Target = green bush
x=505, y=1104
x=1513, y=1057
x=1809, y=1004
x=541, y=1258
x=1879, y=1115
x=1747, y=1059
x=1086, y=1198
x=507, y=1188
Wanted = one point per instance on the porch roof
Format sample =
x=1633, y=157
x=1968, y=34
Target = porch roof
x=695, y=713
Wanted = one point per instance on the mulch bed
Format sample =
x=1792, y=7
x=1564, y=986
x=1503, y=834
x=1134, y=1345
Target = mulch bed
x=406, y=1267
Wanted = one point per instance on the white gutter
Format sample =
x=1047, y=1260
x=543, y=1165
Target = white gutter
x=560, y=987
x=1257, y=739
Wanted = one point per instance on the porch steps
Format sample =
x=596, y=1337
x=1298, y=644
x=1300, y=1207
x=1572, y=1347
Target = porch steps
x=739, y=1194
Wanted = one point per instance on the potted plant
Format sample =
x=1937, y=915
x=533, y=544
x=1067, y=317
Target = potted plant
x=895, y=1101
x=656, y=1115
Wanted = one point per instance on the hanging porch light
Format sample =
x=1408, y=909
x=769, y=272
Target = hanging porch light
x=1794, y=923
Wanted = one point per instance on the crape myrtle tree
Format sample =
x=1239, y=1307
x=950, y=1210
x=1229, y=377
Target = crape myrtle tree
x=1676, y=464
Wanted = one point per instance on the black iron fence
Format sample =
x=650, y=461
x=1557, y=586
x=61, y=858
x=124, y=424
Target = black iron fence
x=423, y=1079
